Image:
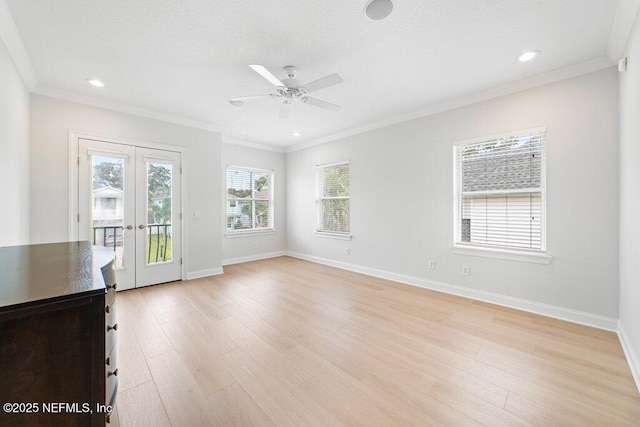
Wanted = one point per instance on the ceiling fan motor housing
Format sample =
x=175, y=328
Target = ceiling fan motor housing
x=290, y=89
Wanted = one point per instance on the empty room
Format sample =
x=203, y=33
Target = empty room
x=320, y=213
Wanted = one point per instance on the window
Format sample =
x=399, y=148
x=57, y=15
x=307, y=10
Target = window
x=333, y=198
x=109, y=203
x=249, y=199
x=500, y=192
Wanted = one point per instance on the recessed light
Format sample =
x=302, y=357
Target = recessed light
x=528, y=55
x=297, y=134
x=378, y=9
x=236, y=103
x=95, y=82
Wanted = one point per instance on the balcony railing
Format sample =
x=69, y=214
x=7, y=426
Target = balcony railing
x=159, y=236
x=108, y=236
x=162, y=234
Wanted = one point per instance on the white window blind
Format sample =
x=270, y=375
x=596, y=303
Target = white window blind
x=249, y=199
x=333, y=199
x=500, y=192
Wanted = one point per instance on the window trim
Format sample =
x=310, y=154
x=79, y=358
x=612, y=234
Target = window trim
x=518, y=254
x=524, y=256
x=249, y=233
x=331, y=234
x=230, y=233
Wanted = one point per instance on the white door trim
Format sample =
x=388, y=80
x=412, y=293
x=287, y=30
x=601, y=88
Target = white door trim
x=73, y=213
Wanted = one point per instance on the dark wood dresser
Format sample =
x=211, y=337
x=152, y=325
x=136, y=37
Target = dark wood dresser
x=57, y=335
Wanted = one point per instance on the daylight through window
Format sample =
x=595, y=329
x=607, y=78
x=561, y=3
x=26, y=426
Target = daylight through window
x=249, y=199
x=500, y=192
x=333, y=198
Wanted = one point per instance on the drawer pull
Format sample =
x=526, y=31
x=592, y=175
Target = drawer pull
x=108, y=361
x=115, y=373
x=114, y=327
x=114, y=286
x=107, y=309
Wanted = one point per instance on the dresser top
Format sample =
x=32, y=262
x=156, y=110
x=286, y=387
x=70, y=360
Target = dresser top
x=49, y=271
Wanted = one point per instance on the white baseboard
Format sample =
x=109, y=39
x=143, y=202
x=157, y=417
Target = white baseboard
x=548, y=310
x=632, y=357
x=204, y=273
x=255, y=257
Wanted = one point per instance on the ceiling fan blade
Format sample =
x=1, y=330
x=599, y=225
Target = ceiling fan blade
x=330, y=80
x=322, y=104
x=246, y=98
x=267, y=75
x=239, y=101
x=285, y=109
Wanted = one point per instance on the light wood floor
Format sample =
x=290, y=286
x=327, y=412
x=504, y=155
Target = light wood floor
x=287, y=342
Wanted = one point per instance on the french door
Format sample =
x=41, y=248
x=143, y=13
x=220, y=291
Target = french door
x=129, y=200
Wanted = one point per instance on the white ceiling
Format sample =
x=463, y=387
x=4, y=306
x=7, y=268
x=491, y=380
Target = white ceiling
x=186, y=58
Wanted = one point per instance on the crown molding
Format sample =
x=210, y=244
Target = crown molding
x=12, y=40
x=147, y=113
x=123, y=108
x=621, y=29
x=595, y=64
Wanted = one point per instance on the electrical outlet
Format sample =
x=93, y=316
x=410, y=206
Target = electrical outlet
x=432, y=265
x=255, y=244
x=466, y=270
x=347, y=251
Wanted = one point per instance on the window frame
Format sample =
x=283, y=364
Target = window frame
x=319, y=199
x=230, y=232
x=496, y=251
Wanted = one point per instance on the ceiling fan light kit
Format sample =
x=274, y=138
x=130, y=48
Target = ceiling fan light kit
x=378, y=9
x=290, y=90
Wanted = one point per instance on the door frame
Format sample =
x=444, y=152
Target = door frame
x=74, y=160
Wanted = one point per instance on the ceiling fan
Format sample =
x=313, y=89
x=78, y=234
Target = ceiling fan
x=290, y=89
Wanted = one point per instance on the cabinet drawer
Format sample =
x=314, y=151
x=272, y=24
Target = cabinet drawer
x=111, y=375
x=110, y=317
x=110, y=297
x=110, y=326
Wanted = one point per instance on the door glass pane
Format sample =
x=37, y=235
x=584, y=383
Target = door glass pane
x=107, y=205
x=159, y=214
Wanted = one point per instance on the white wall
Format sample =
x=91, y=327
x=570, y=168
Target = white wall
x=401, y=200
x=51, y=120
x=240, y=249
x=14, y=153
x=630, y=202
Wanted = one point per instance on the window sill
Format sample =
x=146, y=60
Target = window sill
x=249, y=233
x=337, y=236
x=536, y=258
